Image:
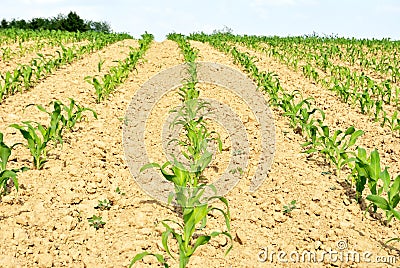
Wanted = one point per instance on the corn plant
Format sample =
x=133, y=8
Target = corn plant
x=7, y=174
x=367, y=171
x=335, y=148
x=389, y=203
x=37, y=137
x=197, y=136
x=287, y=209
x=56, y=125
x=100, y=64
x=393, y=122
x=73, y=113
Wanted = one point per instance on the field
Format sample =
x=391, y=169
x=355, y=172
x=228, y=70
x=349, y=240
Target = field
x=333, y=101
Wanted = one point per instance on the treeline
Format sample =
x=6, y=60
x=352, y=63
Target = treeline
x=72, y=23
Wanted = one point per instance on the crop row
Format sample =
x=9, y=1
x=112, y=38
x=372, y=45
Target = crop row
x=25, y=76
x=188, y=180
x=377, y=55
x=336, y=146
x=12, y=36
x=105, y=85
x=352, y=87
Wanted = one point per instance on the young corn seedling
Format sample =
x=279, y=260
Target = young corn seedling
x=194, y=211
x=360, y=172
x=7, y=175
x=335, y=148
x=55, y=129
x=100, y=64
x=98, y=86
x=368, y=170
x=389, y=203
x=393, y=122
x=73, y=113
x=37, y=138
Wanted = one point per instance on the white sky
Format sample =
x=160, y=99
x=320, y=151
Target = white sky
x=349, y=18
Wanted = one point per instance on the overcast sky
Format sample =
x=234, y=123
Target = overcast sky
x=349, y=18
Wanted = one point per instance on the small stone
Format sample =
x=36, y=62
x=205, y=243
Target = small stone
x=346, y=225
x=20, y=235
x=22, y=220
x=317, y=245
x=74, y=253
x=68, y=222
x=305, y=183
x=45, y=260
x=346, y=202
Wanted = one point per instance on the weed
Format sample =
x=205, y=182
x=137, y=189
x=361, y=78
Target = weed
x=104, y=204
x=96, y=221
x=287, y=209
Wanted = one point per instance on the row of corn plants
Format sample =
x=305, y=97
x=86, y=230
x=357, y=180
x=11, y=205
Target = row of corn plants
x=189, y=232
x=380, y=56
x=355, y=83
x=351, y=87
x=61, y=118
x=20, y=36
x=40, y=139
x=336, y=146
x=41, y=40
x=25, y=76
x=107, y=84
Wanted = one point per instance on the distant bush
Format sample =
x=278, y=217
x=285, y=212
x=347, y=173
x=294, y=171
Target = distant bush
x=72, y=23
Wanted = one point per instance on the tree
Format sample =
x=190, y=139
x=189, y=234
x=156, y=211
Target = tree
x=101, y=26
x=74, y=23
x=4, y=24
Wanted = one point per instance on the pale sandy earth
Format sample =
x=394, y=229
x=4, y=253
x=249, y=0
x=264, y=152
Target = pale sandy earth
x=45, y=224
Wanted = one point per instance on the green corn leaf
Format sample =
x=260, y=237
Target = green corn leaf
x=385, y=177
x=201, y=240
x=150, y=165
x=164, y=238
x=395, y=200
x=396, y=214
x=354, y=137
x=374, y=168
x=10, y=174
x=379, y=202
x=140, y=256
x=349, y=131
x=362, y=155
x=325, y=130
x=5, y=153
x=394, y=189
